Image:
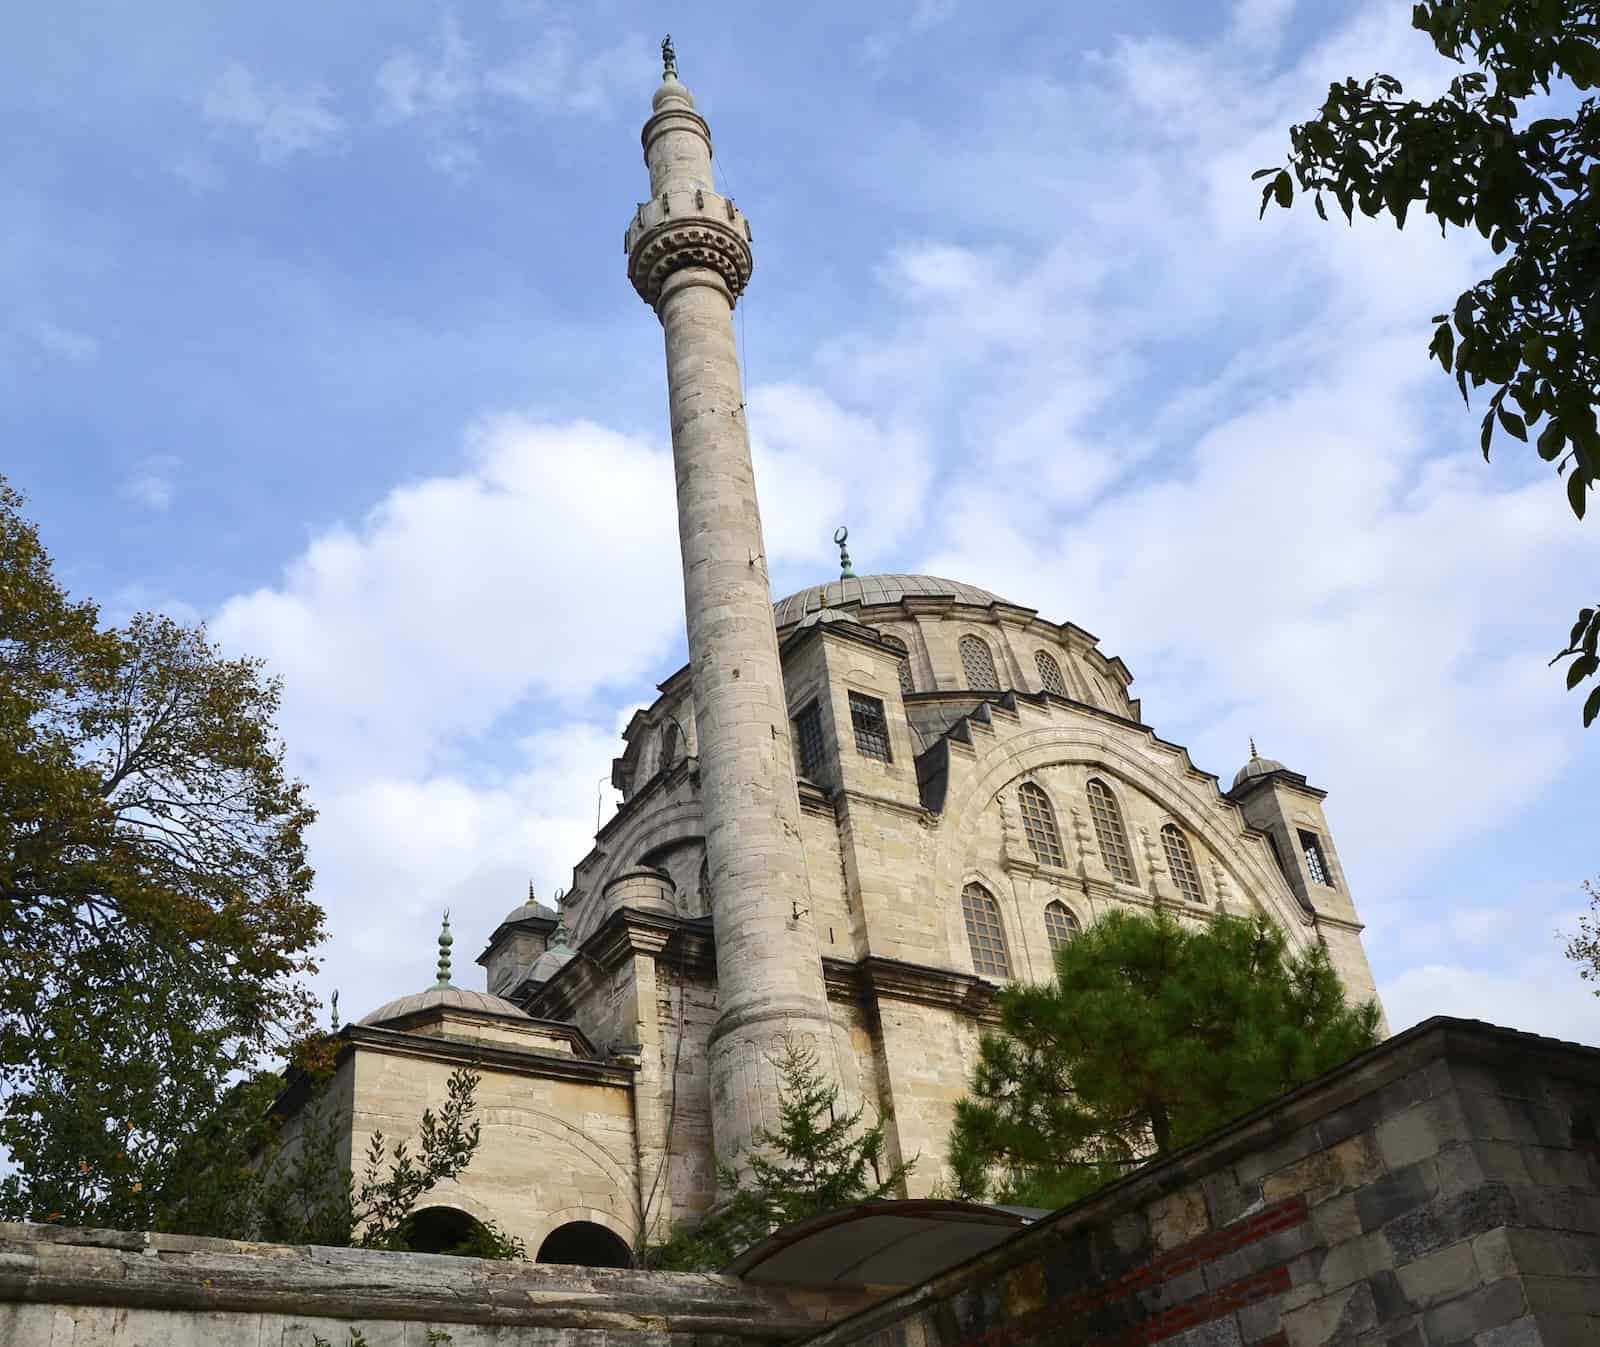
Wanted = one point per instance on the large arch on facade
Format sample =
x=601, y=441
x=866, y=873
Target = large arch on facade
x=1245, y=859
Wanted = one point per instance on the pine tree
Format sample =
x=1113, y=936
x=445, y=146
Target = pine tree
x=1151, y=1036
x=817, y=1160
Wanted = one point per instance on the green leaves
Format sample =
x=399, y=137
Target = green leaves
x=154, y=895
x=1152, y=1035
x=1532, y=327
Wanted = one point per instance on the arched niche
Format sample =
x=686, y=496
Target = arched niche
x=442, y=1230
x=585, y=1243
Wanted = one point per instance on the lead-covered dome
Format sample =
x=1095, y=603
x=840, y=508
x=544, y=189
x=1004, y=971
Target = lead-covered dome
x=1256, y=767
x=452, y=998
x=865, y=591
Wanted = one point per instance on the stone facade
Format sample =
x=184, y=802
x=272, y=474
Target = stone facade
x=851, y=818
x=1443, y=1189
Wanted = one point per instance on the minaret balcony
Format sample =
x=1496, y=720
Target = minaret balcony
x=688, y=228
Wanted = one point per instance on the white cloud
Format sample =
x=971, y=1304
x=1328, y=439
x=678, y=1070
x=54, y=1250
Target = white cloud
x=446, y=88
x=282, y=121
x=546, y=570
x=150, y=484
x=883, y=44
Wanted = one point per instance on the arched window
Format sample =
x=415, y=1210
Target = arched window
x=1039, y=823
x=1108, y=830
x=906, y=683
x=985, y=935
x=586, y=1243
x=1180, y=861
x=1060, y=926
x=1049, y=673
x=443, y=1230
x=669, y=745
x=978, y=664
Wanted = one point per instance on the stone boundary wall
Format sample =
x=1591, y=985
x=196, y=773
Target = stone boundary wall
x=1441, y=1189
x=105, y=1288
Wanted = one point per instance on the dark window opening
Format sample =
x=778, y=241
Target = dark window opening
x=871, y=729
x=584, y=1243
x=1316, y=866
x=808, y=741
x=441, y=1230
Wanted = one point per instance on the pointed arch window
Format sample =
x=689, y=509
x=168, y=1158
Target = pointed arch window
x=1110, y=833
x=978, y=665
x=669, y=745
x=985, y=935
x=1039, y=823
x=1049, y=673
x=1061, y=927
x=1180, y=862
x=904, y=668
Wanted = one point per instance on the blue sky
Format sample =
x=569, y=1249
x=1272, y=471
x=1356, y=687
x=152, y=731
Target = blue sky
x=315, y=324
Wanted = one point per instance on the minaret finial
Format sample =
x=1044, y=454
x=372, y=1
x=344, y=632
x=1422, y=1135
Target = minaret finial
x=561, y=938
x=669, y=59
x=1253, y=753
x=445, y=941
x=840, y=534
x=531, y=897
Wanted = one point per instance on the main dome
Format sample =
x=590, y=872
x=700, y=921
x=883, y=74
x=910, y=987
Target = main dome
x=865, y=590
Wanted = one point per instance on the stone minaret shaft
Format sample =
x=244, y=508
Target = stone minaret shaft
x=689, y=258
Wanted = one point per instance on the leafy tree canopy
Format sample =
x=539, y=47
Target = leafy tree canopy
x=1151, y=1036
x=817, y=1160
x=1530, y=332
x=155, y=906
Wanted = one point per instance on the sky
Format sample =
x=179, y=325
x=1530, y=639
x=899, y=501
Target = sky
x=315, y=325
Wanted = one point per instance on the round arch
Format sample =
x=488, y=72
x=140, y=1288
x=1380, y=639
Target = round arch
x=585, y=1243
x=441, y=1229
x=1254, y=876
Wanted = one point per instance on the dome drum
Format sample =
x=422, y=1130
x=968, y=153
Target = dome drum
x=646, y=888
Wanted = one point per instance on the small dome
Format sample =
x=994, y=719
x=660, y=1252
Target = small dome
x=551, y=962
x=864, y=591
x=455, y=998
x=532, y=910
x=1256, y=767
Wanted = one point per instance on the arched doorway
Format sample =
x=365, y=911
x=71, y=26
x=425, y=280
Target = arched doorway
x=586, y=1243
x=441, y=1230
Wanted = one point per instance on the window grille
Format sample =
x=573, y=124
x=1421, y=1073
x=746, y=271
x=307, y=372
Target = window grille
x=808, y=740
x=978, y=664
x=1180, y=861
x=872, y=730
x=904, y=669
x=1039, y=823
x=1110, y=833
x=1316, y=866
x=1060, y=926
x=1049, y=673
x=985, y=934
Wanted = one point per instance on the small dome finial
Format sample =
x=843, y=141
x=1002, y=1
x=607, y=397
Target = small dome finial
x=561, y=938
x=839, y=536
x=669, y=59
x=445, y=941
x=1253, y=753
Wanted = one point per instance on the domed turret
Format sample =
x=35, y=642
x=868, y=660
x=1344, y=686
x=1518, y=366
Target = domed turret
x=1257, y=766
x=443, y=994
x=559, y=954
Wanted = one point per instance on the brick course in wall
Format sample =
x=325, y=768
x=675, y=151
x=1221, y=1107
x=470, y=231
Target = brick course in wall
x=1442, y=1189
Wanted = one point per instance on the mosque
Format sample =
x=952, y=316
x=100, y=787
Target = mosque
x=853, y=816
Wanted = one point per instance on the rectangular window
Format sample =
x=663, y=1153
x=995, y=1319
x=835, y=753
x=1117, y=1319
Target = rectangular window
x=808, y=741
x=1316, y=866
x=872, y=730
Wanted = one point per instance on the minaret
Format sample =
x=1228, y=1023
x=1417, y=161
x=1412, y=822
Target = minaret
x=689, y=258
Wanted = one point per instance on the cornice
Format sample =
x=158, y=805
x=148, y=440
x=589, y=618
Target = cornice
x=502, y=1057
x=880, y=978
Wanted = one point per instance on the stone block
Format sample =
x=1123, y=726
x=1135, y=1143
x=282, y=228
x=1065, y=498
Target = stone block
x=1352, y=1163
x=1337, y=1219
x=1444, y=1221
x=1361, y=1116
x=1353, y=1261
x=1260, y=1320
x=1421, y=1131
x=1493, y=1253
x=1439, y=1276
x=1488, y=1306
x=1227, y=1199
x=1390, y=1297
x=1401, y=1192
x=1178, y=1218
x=1217, y=1333
x=1559, y=1294
x=1332, y=1318
x=1523, y=1332
x=1568, y=1330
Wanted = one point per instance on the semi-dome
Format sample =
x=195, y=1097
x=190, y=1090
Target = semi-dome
x=866, y=590
x=454, y=998
x=551, y=962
